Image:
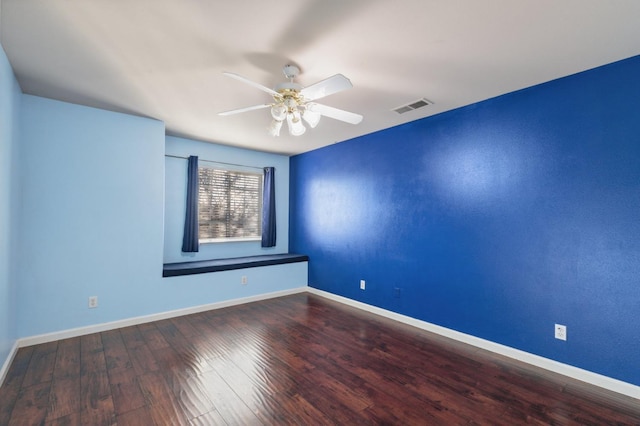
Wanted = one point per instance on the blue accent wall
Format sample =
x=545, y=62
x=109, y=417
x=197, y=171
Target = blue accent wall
x=498, y=219
x=10, y=96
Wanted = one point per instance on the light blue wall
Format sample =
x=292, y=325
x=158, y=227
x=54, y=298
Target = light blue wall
x=93, y=221
x=92, y=184
x=10, y=96
x=175, y=184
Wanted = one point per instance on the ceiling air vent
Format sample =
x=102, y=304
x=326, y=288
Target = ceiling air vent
x=413, y=105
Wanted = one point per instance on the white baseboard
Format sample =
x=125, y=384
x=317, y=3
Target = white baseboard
x=536, y=360
x=97, y=328
x=7, y=362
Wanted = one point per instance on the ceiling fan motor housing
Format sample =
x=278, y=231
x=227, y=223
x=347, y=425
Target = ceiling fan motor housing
x=291, y=71
x=288, y=86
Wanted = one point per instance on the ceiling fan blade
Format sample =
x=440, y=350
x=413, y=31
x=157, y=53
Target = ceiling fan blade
x=251, y=108
x=251, y=83
x=336, y=114
x=326, y=87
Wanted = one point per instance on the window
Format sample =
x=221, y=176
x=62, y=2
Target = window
x=229, y=205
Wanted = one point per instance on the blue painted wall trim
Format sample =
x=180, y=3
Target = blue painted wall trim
x=498, y=220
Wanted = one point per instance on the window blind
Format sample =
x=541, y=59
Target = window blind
x=229, y=204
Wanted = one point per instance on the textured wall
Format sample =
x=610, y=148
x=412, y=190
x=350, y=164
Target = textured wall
x=10, y=96
x=92, y=224
x=497, y=220
x=92, y=215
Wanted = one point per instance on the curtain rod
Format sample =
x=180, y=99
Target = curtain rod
x=215, y=162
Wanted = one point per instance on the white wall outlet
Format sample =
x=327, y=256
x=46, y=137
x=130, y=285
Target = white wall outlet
x=362, y=284
x=561, y=332
x=244, y=280
x=93, y=301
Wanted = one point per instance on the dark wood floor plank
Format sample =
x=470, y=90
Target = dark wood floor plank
x=95, y=389
x=217, y=337
x=603, y=407
x=67, y=359
x=269, y=374
x=100, y=412
x=115, y=352
x=164, y=409
x=31, y=406
x=299, y=359
x=125, y=391
x=73, y=419
x=92, y=354
x=182, y=354
x=132, y=337
x=188, y=392
x=259, y=362
x=355, y=367
x=168, y=358
x=40, y=368
x=184, y=326
x=253, y=365
x=396, y=399
x=378, y=368
x=140, y=355
x=212, y=418
x=13, y=382
x=152, y=336
x=138, y=417
x=246, y=390
x=64, y=398
x=231, y=407
x=305, y=411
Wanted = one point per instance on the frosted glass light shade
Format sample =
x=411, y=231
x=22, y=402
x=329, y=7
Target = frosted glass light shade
x=296, y=128
x=274, y=128
x=279, y=112
x=312, y=118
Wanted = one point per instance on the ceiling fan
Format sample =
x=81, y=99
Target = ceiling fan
x=293, y=103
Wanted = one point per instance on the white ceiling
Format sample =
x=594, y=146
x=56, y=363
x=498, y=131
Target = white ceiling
x=164, y=58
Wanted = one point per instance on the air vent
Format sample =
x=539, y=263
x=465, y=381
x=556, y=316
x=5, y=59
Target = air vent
x=413, y=105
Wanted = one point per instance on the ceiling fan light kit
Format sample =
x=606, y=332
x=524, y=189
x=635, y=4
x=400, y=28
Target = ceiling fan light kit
x=293, y=102
x=274, y=128
x=312, y=118
x=296, y=128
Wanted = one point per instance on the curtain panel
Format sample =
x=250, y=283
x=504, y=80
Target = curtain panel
x=269, y=208
x=190, y=242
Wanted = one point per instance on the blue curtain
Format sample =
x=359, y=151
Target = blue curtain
x=269, y=208
x=190, y=239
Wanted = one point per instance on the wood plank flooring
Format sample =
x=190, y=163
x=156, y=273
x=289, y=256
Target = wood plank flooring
x=300, y=360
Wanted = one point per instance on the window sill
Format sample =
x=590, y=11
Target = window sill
x=229, y=240
x=217, y=265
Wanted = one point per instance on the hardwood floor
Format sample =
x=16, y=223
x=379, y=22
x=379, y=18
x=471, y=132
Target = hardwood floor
x=299, y=359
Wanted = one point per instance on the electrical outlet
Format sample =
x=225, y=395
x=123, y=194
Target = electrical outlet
x=561, y=332
x=244, y=280
x=362, y=284
x=397, y=292
x=93, y=301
